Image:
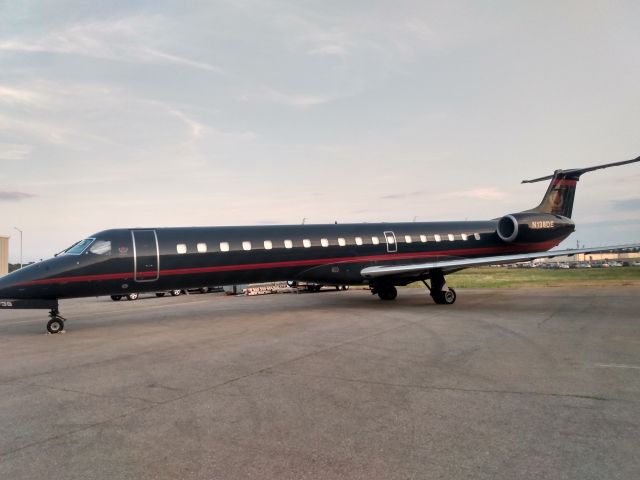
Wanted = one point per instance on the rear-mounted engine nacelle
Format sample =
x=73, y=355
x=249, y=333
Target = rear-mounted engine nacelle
x=508, y=228
x=528, y=227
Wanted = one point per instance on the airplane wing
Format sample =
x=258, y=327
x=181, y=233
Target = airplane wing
x=455, y=264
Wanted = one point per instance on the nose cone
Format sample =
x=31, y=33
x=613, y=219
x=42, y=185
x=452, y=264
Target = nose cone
x=6, y=284
x=17, y=284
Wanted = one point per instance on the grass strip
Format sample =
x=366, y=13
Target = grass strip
x=501, y=277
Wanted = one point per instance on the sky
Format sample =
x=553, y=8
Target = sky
x=180, y=113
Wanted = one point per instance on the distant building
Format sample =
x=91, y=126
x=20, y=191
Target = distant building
x=596, y=257
x=4, y=255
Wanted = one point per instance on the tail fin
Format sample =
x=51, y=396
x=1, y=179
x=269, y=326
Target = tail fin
x=559, y=197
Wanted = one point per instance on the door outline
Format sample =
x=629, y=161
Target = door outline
x=135, y=257
x=392, y=244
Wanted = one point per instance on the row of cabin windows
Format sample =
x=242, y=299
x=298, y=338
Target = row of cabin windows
x=324, y=242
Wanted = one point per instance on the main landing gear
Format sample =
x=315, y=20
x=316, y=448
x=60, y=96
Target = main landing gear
x=441, y=294
x=56, y=322
x=385, y=291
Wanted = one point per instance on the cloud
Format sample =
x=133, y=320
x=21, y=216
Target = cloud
x=389, y=34
x=630, y=204
x=20, y=96
x=124, y=39
x=197, y=130
x=14, y=196
x=194, y=127
x=401, y=196
x=46, y=131
x=605, y=224
x=14, y=151
x=152, y=53
x=479, y=193
x=270, y=95
x=329, y=50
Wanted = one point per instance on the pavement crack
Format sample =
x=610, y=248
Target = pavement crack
x=97, y=395
x=284, y=362
x=458, y=389
x=72, y=432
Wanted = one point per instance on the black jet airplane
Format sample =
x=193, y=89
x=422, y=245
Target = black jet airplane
x=381, y=255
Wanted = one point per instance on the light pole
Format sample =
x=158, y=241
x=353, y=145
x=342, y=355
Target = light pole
x=20, y=245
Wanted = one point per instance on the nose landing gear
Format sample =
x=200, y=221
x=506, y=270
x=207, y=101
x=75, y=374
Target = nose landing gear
x=56, y=322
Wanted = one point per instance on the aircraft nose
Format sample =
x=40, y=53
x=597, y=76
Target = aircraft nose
x=5, y=284
x=11, y=284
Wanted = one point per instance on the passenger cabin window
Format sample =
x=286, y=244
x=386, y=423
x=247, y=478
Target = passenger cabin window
x=201, y=247
x=407, y=238
x=224, y=246
x=324, y=242
x=423, y=238
x=375, y=240
x=464, y=236
x=268, y=245
x=306, y=243
x=451, y=237
x=181, y=248
x=358, y=240
x=246, y=245
x=342, y=242
x=476, y=236
x=101, y=247
x=437, y=237
x=288, y=244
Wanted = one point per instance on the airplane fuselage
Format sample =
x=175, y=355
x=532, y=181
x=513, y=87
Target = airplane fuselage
x=121, y=261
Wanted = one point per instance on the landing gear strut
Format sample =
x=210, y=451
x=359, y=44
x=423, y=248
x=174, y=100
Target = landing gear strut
x=385, y=291
x=56, y=322
x=440, y=293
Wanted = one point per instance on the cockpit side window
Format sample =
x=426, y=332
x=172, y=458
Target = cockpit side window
x=101, y=247
x=79, y=248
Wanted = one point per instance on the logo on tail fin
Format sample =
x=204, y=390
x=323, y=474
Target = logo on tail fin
x=558, y=200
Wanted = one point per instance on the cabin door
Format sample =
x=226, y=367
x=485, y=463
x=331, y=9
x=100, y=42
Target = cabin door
x=146, y=255
x=392, y=245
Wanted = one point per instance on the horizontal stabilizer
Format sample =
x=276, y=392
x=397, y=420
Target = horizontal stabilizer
x=574, y=173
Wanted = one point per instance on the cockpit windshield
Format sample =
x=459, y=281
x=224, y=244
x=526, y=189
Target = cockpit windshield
x=79, y=247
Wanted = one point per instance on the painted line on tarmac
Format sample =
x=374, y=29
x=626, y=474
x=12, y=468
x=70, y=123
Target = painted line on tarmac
x=615, y=365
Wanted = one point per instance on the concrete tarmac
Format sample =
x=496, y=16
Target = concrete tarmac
x=505, y=384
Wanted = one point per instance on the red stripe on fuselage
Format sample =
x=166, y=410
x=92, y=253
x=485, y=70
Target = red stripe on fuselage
x=300, y=263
